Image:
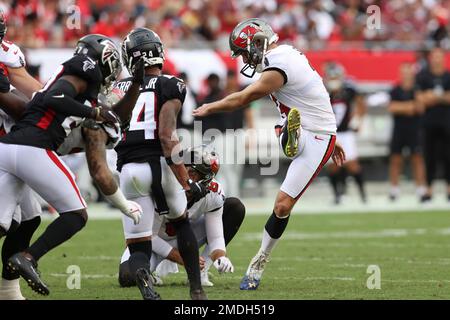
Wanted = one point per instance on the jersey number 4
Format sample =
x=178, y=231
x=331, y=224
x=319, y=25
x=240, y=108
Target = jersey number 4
x=144, y=115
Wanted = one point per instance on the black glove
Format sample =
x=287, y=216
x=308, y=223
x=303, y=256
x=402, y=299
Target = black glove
x=106, y=116
x=196, y=192
x=4, y=82
x=139, y=72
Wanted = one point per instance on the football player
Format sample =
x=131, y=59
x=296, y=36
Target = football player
x=149, y=174
x=349, y=108
x=214, y=219
x=12, y=69
x=297, y=90
x=91, y=137
x=50, y=116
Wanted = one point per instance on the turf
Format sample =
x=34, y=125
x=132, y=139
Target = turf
x=320, y=257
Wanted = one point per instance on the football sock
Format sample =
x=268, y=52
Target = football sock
x=360, y=182
x=188, y=247
x=232, y=218
x=17, y=241
x=59, y=231
x=334, y=184
x=140, y=254
x=272, y=232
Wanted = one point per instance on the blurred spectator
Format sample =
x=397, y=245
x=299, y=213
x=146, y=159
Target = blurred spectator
x=434, y=93
x=407, y=132
x=305, y=23
x=185, y=119
x=349, y=108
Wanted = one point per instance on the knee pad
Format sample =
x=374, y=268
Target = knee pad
x=126, y=279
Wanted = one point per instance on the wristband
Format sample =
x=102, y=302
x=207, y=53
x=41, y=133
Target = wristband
x=118, y=200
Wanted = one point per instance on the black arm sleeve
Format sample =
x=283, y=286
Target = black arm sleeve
x=60, y=97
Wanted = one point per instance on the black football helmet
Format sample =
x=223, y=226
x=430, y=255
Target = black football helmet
x=103, y=50
x=3, y=27
x=203, y=160
x=145, y=43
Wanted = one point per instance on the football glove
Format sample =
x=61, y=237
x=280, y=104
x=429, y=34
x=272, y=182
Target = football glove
x=196, y=191
x=139, y=72
x=133, y=210
x=223, y=265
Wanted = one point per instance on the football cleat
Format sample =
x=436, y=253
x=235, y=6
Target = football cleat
x=204, y=277
x=249, y=284
x=291, y=133
x=10, y=290
x=28, y=270
x=198, y=294
x=156, y=279
x=254, y=272
x=144, y=283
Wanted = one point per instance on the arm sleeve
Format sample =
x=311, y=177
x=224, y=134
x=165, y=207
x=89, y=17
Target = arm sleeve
x=161, y=247
x=214, y=230
x=60, y=97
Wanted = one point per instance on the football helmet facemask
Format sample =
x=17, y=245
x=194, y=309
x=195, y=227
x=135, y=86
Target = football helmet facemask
x=251, y=38
x=204, y=161
x=3, y=27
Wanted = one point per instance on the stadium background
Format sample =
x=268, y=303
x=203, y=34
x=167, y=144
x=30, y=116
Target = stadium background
x=195, y=33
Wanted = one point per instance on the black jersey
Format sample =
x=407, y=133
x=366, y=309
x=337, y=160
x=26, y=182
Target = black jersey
x=439, y=113
x=43, y=127
x=342, y=103
x=140, y=141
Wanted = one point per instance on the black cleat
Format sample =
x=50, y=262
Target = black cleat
x=198, y=294
x=28, y=270
x=144, y=283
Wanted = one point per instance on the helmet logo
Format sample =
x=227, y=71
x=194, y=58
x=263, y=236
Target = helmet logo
x=88, y=64
x=108, y=51
x=247, y=33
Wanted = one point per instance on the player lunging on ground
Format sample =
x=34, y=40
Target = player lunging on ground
x=296, y=89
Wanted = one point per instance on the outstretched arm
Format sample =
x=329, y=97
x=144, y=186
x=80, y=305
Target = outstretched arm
x=95, y=141
x=269, y=82
x=23, y=81
x=12, y=104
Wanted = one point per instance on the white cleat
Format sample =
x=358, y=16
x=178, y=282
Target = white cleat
x=10, y=290
x=156, y=279
x=204, y=277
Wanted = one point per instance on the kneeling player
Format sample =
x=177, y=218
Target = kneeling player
x=214, y=219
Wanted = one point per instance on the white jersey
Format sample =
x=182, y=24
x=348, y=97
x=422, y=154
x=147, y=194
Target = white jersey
x=212, y=202
x=11, y=55
x=303, y=89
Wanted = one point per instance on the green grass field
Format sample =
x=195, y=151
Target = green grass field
x=321, y=257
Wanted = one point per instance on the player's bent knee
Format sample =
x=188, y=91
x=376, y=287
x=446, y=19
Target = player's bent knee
x=282, y=209
x=2, y=232
x=235, y=207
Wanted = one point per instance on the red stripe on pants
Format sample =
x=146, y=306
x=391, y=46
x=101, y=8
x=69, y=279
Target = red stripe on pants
x=58, y=163
x=326, y=157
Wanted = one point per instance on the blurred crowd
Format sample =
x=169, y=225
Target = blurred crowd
x=307, y=23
